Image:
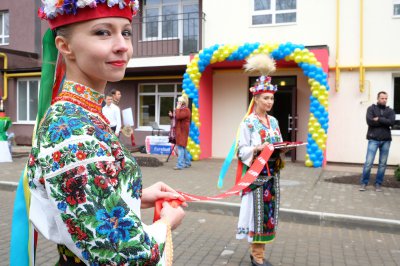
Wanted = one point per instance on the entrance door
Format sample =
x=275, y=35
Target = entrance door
x=285, y=109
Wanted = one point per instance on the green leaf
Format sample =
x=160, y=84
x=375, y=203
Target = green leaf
x=112, y=201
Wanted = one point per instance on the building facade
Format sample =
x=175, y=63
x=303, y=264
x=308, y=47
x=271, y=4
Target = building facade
x=358, y=40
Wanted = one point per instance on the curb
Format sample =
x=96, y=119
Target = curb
x=305, y=217
x=287, y=215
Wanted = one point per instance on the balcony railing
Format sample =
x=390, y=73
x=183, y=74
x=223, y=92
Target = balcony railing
x=167, y=35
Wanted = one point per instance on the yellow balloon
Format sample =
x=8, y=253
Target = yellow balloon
x=320, y=142
x=309, y=163
x=195, y=157
x=315, y=93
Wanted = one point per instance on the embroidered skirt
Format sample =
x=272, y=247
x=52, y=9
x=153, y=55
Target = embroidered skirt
x=258, y=218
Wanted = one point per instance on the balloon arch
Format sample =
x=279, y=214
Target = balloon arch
x=306, y=60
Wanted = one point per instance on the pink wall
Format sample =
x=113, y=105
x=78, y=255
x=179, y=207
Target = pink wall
x=205, y=112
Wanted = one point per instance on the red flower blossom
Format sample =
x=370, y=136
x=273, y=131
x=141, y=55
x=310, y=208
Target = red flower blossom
x=81, y=170
x=74, y=188
x=41, y=180
x=31, y=160
x=80, y=155
x=75, y=230
x=80, y=89
x=57, y=156
x=271, y=223
x=262, y=134
x=267, y=196
x=155, y=256
x=101, y=182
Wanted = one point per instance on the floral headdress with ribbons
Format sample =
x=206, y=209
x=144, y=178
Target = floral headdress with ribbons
x=263, y=65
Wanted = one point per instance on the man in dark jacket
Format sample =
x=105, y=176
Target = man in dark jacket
x=380, y=119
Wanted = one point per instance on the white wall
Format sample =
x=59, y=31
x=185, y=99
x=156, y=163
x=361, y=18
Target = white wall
x=229, y=107
x=347, y=131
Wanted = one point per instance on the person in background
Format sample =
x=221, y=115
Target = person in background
x=116, y=96
x=113, y=114
x=85, y=187
x=380, y=119
x=258, y=217
x=182, y=123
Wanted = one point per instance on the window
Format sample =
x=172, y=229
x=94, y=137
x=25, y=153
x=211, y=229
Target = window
x=396, y=103
x=155, y=101
x=4, y=28
x=172, y=19
x=396, y=8
x=27, y=95
x=271, y=12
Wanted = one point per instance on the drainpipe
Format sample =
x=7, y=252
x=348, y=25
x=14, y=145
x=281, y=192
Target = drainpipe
x=5, y=89
x=362, y=70
x=337, y=69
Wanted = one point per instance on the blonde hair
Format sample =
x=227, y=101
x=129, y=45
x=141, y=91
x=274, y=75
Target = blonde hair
x=183, y=99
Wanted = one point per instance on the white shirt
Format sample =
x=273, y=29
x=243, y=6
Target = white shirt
x=113, y=114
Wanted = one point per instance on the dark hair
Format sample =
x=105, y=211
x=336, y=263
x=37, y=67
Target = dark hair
x=114, y=91
x=109, y=95
x=381, y=92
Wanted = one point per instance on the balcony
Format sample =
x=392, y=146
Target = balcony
x=167, y=35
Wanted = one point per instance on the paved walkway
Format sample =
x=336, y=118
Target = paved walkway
x=322, y=223
x=304, y=193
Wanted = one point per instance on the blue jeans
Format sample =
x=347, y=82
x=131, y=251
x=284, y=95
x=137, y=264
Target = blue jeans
x=183, y=157
x=373, y=146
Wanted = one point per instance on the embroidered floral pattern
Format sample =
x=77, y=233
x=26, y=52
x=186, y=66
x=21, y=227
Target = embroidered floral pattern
x=87, y=170
x=270, y=135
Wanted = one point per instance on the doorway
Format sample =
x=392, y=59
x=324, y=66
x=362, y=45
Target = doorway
x=285, y=107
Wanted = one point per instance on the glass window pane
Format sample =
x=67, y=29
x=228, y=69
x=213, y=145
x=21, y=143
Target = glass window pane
x=147, y=105
x=33, y=99
x=285, y=17
x=190, y=29
x=396, y=10
x=151, y=21
x=152, y=2
x=170, y=21
x=166, y=105
x=262, y=19
x=285, y=4
x=170, y=1
x=22, y=100
x=1, y=23
x=147, y=88
x=262, y=5
x=396, y=95
x=6, y=24
x=166, y=88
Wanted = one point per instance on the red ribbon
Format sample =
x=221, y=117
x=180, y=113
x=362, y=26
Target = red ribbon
x=246, y=180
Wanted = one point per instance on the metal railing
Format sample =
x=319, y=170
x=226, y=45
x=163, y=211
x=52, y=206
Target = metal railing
x=167, y=35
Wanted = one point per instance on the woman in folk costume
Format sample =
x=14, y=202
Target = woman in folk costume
x=259, y=205
x=85, y=187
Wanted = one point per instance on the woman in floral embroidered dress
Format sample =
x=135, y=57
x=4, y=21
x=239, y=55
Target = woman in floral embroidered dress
x=86, y=188
x=260, y=201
